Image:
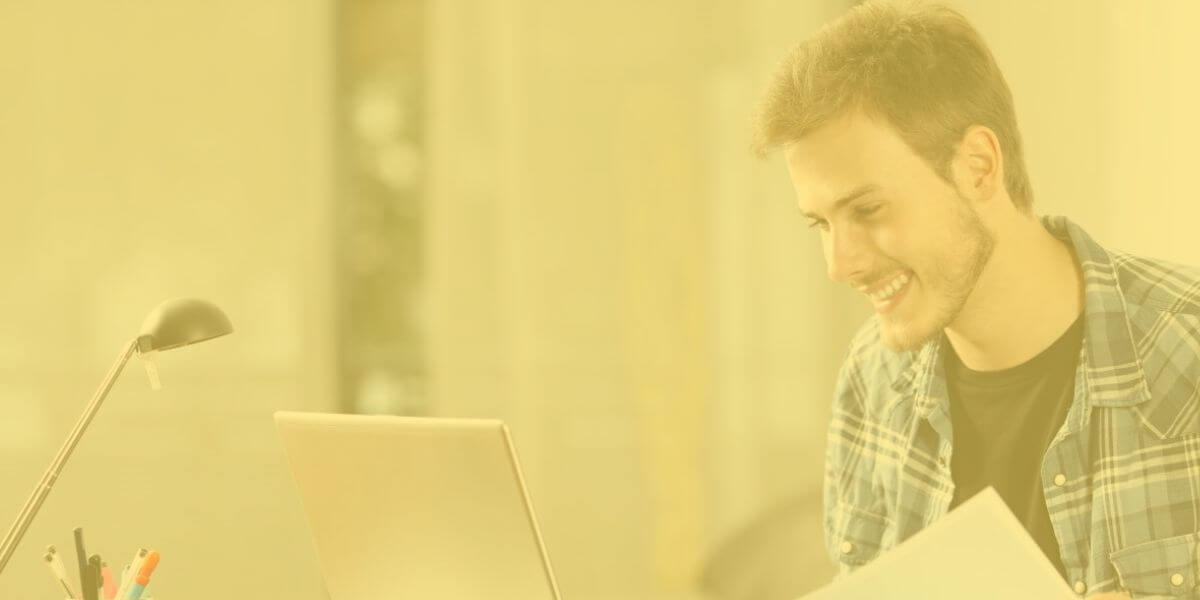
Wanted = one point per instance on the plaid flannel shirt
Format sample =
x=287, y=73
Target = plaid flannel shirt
x=1122, y=475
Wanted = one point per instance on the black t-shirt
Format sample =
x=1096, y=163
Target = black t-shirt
x=1003, y=423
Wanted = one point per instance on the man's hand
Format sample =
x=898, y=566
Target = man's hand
x=1110, y=596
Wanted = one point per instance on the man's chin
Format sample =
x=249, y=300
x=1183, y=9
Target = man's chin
x=903, y=337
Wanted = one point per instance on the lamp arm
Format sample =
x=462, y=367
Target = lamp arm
x=34, y=503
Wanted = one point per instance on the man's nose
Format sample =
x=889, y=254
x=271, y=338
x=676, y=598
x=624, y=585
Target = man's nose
x=844, y=256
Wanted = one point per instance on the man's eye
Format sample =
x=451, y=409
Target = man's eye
x=868, y=210
x=818, y=223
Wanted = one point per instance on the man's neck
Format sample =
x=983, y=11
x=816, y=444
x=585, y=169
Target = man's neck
x=1028, y=295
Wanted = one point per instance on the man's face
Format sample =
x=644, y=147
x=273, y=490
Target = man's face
x=891, y=228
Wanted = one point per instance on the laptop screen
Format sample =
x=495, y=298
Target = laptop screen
x=404, y=507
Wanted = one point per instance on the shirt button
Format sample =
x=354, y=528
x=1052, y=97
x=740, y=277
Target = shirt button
x=1080, y=587
x=846, y=548
x=1059, y=480
x=1177, y=579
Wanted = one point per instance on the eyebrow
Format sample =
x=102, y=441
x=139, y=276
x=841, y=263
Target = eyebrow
x=854, y=194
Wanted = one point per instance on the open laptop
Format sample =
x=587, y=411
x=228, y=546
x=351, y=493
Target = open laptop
x=416, y=508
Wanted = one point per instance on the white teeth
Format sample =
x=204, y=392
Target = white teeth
x=890, y=289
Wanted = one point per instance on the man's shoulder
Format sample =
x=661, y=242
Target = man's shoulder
x=1155, y=284
x=1162, y=309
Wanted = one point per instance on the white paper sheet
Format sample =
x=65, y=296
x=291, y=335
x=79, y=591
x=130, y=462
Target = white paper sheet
x=978, y=550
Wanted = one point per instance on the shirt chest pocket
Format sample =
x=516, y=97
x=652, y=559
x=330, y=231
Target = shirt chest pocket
x=858, y=536
x=1165, y=567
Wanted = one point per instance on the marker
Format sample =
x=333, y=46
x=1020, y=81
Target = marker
x=85, y=584
x=60, y=572
x=143, y=577
x=110, y=584
x=131, y=570
x=97, y=580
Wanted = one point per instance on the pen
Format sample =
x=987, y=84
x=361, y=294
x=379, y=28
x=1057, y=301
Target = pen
x=110, y=584
x=85, y=584
x=60, y=573
x=143, y=577
x=131, y=569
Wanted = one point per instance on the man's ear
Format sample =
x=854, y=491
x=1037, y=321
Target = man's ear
x=979, y=164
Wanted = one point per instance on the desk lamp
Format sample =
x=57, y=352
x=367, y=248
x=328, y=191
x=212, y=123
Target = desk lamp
x=172, y=324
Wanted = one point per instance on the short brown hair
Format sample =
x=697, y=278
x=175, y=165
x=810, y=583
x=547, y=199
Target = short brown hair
x=922, y=67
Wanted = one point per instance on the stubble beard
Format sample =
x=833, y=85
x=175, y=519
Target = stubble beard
x=946, y=284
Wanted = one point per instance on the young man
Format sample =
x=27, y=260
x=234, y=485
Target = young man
x=1005, y=350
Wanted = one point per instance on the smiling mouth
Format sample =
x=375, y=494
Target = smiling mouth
x=887, y=296
x=885, y=292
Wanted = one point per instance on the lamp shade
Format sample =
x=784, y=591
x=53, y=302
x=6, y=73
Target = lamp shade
x=180, y=322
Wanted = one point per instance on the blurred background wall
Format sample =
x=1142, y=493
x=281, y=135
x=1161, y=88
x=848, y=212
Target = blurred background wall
x=540, y=211
x=152, y=151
